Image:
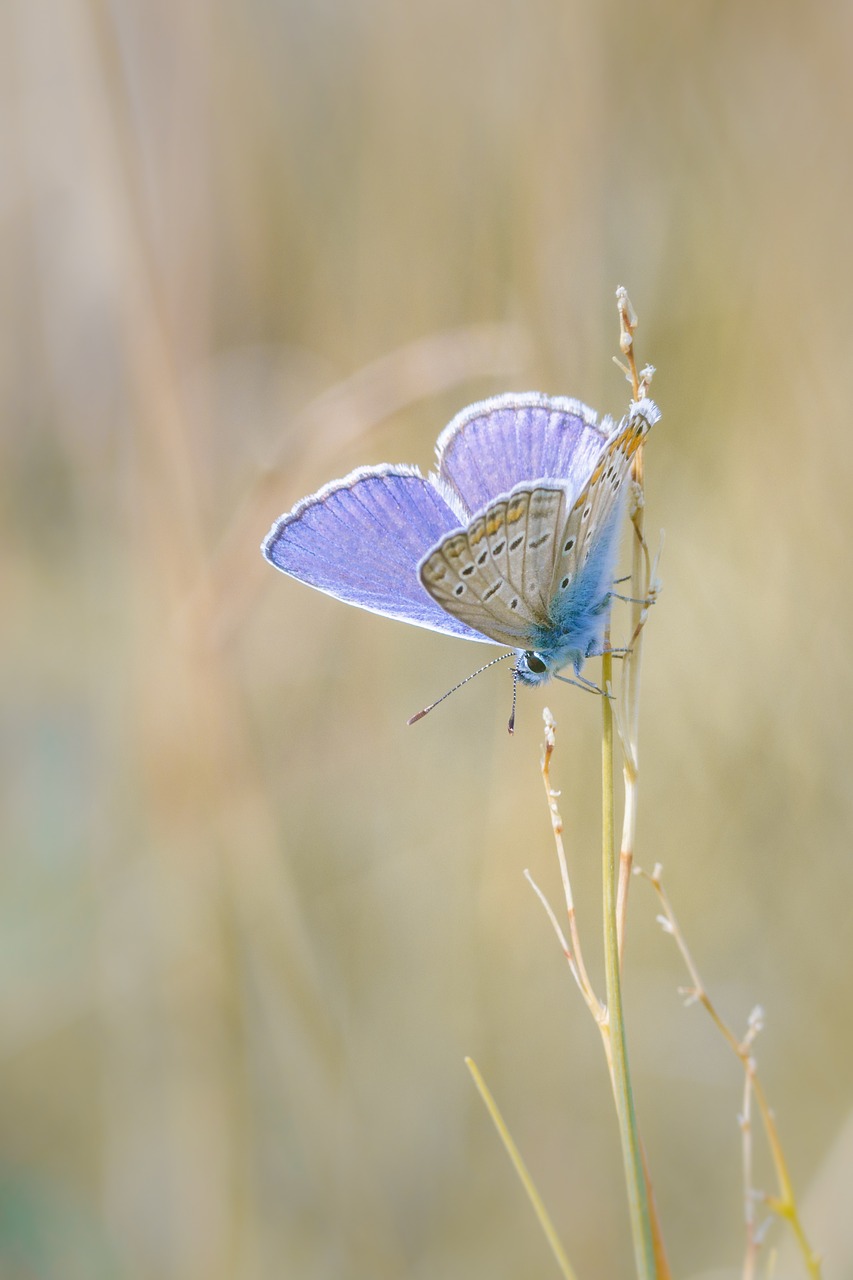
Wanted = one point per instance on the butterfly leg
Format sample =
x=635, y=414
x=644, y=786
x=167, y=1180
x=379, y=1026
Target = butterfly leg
x=583, y=683
x=619, y=652
x=649, y=600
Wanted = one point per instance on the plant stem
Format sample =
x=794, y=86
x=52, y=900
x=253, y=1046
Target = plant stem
x=641, y=584
x=615, y=1044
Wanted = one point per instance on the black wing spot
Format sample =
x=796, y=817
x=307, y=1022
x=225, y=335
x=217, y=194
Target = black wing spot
x=516, y=542
x=586, y=512
x=467, y=571
x=457, y=591
x=537, y=542
x=564, y=583
x=567, y=548
x=513, y=604
x=496, y=550
x=483, y=556
x=487, y=595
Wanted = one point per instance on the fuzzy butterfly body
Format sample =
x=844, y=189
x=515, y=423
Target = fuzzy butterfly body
x=513, y=540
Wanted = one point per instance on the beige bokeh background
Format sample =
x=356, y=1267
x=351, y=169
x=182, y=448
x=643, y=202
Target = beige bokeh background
x=250, y=922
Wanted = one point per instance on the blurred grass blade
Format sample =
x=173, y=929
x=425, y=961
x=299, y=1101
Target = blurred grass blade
x=524, y=1176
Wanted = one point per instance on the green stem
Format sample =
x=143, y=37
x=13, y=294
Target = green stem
x=638, y=1204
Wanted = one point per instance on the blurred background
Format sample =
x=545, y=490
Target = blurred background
x=250, y=922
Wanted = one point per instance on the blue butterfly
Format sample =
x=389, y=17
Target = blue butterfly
x=512, y=540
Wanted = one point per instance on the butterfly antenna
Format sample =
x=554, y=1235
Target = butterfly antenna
x=420, y=714
x=511, y=725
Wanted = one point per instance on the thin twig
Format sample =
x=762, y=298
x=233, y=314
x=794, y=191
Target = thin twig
x=784, y=1204
x=575, y=955
x=750, y=1260
x=561, y=937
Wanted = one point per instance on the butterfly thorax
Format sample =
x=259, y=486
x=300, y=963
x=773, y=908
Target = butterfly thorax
x=556, y=650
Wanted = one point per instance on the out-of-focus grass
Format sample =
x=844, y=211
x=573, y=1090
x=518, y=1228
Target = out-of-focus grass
x=249, y=922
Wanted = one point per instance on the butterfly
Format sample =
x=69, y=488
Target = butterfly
x=511, y=540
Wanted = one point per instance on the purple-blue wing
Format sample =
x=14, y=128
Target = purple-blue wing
x=360, y=539
x=491, y=447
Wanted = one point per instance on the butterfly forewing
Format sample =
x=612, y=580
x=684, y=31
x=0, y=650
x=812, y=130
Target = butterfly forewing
x=496, y=575
x=594, y=511
x=361, y=539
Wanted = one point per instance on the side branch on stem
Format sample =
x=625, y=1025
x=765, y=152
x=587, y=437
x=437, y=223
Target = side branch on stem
x=783, y=1204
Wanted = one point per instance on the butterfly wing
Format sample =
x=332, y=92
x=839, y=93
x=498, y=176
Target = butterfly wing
x=535, y=568
x=496, y=574
x=491, y=447
x=360, y=539
x=586, y=550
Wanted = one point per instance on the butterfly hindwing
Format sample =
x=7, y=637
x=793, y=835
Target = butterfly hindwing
x=492, y=447
x=495, y=576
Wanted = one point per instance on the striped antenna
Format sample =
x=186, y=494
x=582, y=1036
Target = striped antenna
x=511, y=726
x=419, y=715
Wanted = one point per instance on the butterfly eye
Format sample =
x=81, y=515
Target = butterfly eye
x=535, y=664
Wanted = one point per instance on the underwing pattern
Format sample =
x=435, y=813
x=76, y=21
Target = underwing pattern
x=512, y=540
